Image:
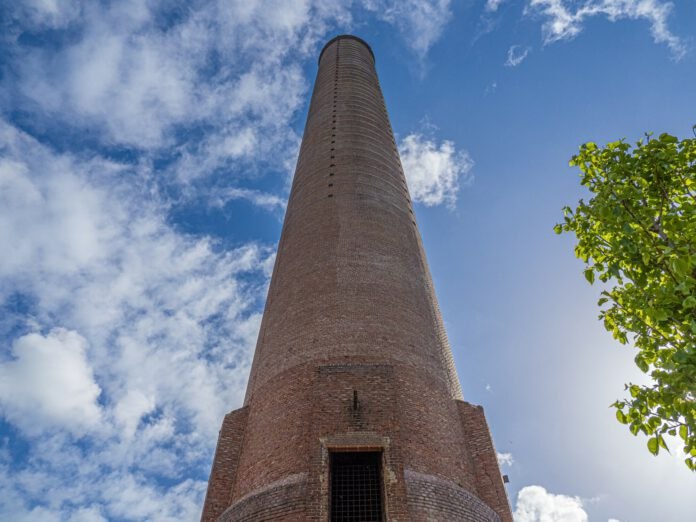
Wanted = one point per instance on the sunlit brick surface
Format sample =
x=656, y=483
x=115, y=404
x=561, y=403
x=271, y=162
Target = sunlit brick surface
x=352, y=354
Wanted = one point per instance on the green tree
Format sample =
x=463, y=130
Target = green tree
x=637, y=234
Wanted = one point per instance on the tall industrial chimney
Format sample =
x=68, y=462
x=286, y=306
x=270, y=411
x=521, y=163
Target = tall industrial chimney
x=353, y=410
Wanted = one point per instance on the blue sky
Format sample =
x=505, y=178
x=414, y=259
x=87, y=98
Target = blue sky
x=146, y=153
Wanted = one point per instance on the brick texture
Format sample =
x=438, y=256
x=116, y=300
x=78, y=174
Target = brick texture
x=352, y=354
x=480, y=444
x=225, y=463
x=433, y=498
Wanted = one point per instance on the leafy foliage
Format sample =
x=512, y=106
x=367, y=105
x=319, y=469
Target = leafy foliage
x=637, y=234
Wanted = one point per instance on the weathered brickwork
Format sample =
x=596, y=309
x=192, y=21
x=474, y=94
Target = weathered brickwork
x=352, y=354
x=480, y=444
x=282, y=500
x=434, y=499
x=225, y=464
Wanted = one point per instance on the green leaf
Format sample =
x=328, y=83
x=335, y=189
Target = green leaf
x=640, y=362
x=662, y=442
x=589, y=275
x=680, y=266
x=636, y=233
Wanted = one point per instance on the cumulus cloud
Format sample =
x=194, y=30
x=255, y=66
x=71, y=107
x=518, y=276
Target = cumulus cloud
x=49, y=13
x=564, y=20
x=505, y=459
x=535, y=504
x=131, y=408
x=258, y=198
x=133, y=310
x=234, y=67
x=139, y=85
x=106, y=496
x=516, y=55
x=434, y=172
x=88, y=514
x=50, y=383
x=421, y=22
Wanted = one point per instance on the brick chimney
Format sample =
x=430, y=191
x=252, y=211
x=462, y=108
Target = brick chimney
x=353, y=410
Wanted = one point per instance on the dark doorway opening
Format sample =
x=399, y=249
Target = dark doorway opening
x=356, y=486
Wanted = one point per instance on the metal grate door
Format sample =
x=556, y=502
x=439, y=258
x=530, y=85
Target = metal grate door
x=356, y=494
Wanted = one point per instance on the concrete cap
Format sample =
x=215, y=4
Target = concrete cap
x=348, y=37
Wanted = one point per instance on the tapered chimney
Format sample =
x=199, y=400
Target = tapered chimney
x=353, y=410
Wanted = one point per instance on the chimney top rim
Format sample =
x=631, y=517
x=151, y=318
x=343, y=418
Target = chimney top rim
x=346, y=37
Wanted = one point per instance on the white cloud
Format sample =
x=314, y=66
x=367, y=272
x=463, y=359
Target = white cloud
x=535, y=504
x=564, y=20
x=434, y=172
x=505, y=459
x=421, y=21
x=107, y=496
x=137, y=84
x=87, y=514
x=131, y=408
x=47, y=208
x=149, y=343
x=262, y=199
x=49, y=13
x=50, y=383
x=131, y=498
x=516, y=55
x=233, y=66
x=493, y=5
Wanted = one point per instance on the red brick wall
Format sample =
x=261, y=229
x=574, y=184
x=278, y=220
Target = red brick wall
x=351, y=308
x=222, y=476
x=436, y=499
x=285, y=500
x=350, y=276
x=489, y=484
